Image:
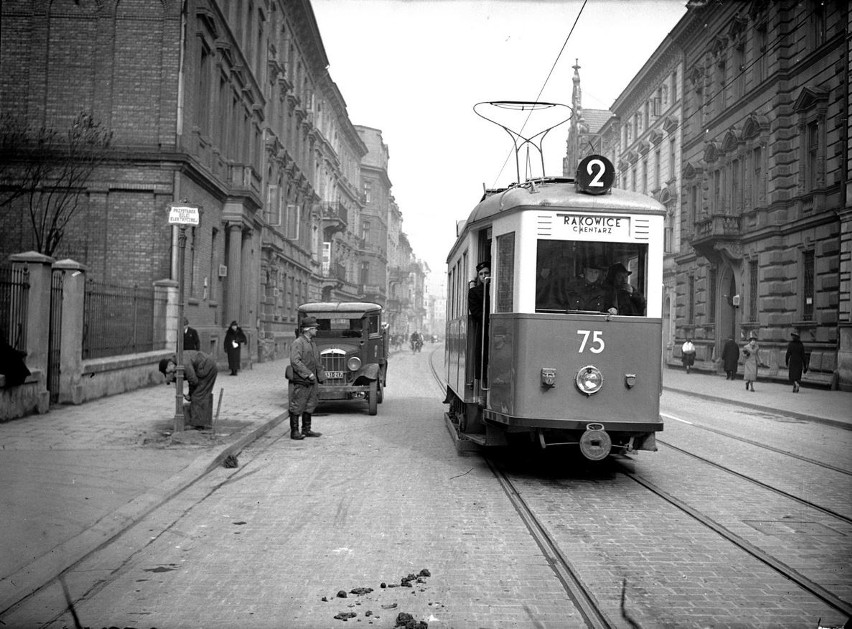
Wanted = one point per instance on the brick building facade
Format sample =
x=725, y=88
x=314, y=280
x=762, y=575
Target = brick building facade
x=225, y=105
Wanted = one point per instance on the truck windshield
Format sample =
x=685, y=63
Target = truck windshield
x=339, y=327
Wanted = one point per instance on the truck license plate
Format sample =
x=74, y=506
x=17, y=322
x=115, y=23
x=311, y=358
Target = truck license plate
x=334, y=375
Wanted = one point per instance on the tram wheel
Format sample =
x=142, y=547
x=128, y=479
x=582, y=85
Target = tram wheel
x=380, y=393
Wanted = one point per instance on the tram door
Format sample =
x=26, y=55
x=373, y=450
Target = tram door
x=479, y=305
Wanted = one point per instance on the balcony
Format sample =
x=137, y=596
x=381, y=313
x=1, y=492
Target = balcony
x=335, y=218
x=373, y=292
x=718, y=236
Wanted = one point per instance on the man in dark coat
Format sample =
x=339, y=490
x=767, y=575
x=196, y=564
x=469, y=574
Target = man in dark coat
x=795, y=361
x=199, y=371
x=477, y=305
x=623, y=297
x=12, y=365
x=190, y=337
x=305, y=374
x=234, y=337
x=730, y=357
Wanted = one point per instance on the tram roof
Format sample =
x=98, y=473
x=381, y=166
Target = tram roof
x=342, y=307
x=561, y=192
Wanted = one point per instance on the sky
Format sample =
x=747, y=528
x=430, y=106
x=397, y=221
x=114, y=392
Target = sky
x=415, y=69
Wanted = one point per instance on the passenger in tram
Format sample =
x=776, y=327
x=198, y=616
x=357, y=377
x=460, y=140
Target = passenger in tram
x=622, y=297
x=587, y=292
x=477, y=305
x=552, y=289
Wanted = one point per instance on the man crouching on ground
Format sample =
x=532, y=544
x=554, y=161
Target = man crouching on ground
x=199, y=371
x=307, y=374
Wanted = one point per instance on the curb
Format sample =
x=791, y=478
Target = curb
x=758, y=407
x=45, y=569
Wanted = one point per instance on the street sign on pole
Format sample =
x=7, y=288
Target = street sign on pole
x=180, y=214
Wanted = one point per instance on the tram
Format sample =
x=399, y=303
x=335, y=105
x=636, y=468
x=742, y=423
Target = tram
x=547, y=363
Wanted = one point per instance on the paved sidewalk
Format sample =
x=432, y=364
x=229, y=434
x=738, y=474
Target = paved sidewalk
x=815, y=404
x=78, y=476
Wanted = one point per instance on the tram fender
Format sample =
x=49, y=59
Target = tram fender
x=495, y=436
x=646, y=442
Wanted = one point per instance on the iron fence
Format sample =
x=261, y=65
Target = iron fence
x=119, y=320
x=14, y=295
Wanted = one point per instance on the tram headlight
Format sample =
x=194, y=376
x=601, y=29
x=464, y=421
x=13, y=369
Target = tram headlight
x=354, y=363
x=589, y=379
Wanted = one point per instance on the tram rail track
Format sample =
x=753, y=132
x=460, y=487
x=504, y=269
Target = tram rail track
x=780, y=492
x=758, y=444
x=780, y=567
x=585, y=601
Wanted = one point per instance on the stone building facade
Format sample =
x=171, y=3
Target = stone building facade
x=228, y=106
x=739, y=124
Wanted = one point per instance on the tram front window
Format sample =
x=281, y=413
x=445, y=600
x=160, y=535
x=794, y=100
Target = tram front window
x=577, y=276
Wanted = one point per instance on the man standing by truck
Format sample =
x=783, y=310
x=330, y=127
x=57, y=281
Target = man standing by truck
x=306, y=375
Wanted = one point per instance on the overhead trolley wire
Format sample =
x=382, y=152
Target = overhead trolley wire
x=544, y=85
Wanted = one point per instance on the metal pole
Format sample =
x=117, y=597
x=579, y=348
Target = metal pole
x=179, y=419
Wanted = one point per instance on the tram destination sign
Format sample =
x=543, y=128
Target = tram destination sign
x=591, y=227
x=181, y=214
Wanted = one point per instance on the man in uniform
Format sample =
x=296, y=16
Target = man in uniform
x=306, y=376
x=587, y=292
x=199, y=371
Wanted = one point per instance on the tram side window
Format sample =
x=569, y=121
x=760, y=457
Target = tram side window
x=579, y=276
x=505, y=272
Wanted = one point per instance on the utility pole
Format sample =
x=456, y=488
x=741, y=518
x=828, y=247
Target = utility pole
x=181, y=215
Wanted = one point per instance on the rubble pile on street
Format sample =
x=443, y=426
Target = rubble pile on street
x=404, y=620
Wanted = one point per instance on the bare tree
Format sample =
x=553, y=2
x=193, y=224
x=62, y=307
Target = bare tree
x=49, y=169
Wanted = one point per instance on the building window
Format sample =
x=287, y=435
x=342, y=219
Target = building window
x=739, y=71
x=808, y=286
x=365, y=273
x=690, y=300
x=368, y=191
x=711, y=295
x=818, y=23
x=752, y=292
x=757, y=177
x=760, y=53
x=719, y=95
x=736, y=193
x=657, y=160
x=672, y=159
x=365, y=231
x=812, y=156
x=717, y=191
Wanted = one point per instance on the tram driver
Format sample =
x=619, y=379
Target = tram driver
x=587, y=292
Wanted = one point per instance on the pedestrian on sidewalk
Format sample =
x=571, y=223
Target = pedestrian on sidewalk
x=199, y=371
x=305, y=373
x=795, y=361
x=190, y=337
x=687, y=352
x=12, y=365
x=730, y=357
x=234, y=337
x=750, y=363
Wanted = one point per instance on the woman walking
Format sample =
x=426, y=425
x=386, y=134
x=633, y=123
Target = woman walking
x=795, y=361
x=234, y=337
x=750, y=363
x=687, y=352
